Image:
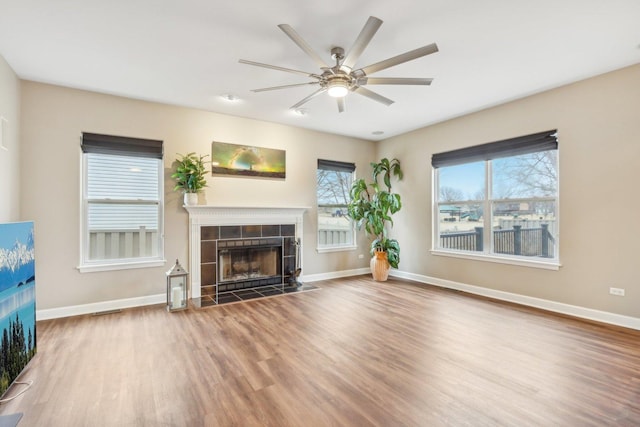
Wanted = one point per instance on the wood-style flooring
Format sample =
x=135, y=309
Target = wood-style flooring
x=353, y=353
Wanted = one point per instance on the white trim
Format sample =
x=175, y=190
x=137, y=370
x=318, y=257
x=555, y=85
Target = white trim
x=97, y=307
x=488, y=203
x=92, y=268
x=88, y=266
x=4, y=123
x=77, y=310
x=327, y=249
x=243, y=215
x=556, y=307
x=334, y=275
x=500, y=259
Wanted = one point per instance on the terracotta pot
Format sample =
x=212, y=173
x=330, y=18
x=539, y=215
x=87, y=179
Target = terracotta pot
x=380, y=266
x=190, y=199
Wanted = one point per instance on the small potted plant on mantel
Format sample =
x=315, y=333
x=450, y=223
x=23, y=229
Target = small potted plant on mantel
x=190, y=176
x=371, y=206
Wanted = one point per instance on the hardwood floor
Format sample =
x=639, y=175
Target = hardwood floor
x=353, y=353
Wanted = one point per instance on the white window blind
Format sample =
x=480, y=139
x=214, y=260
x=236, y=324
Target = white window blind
x=112, y=181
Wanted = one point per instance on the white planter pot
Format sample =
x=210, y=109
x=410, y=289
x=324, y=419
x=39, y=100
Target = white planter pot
x=190, y=199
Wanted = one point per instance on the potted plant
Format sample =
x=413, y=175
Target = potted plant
x=190, y=176
x=372, y=206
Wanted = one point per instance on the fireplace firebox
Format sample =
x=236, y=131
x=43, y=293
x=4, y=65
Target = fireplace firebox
x=247, y=263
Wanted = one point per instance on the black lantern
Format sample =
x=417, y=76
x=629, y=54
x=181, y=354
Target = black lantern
x=177, y=288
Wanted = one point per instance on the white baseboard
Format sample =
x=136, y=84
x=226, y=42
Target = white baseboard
x=334, y=275
x=557, y=307
x=76, y=310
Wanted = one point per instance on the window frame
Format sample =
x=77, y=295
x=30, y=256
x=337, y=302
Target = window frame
x=488, y=254
x=336, y=247
x=86, y=265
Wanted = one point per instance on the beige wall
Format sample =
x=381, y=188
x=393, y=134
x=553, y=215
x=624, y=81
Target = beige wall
x=598, y=122
x=53, y=119
x=10, y=158
x=598, y=128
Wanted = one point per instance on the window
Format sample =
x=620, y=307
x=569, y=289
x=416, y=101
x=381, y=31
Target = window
x=499, y=200
x=335, y=228
x=122, y=203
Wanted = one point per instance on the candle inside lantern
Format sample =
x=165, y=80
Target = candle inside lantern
x=177, y=296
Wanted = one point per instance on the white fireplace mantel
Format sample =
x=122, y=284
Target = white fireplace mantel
x=208, y=215
x=243, y=215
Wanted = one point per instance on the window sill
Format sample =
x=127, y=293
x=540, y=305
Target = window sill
x=327, y=249
x=106, y=266
x=522, y=262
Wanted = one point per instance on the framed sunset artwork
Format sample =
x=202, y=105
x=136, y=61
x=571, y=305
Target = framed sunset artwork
x=248, y=161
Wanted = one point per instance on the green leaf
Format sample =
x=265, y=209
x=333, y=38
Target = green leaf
x=190, y=172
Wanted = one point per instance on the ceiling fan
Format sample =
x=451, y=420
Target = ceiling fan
x=342, y=78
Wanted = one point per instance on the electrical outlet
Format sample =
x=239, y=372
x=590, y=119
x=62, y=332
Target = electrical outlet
x=616, y=291
x=361, y=256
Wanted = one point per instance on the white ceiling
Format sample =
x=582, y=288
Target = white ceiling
x=185, y=52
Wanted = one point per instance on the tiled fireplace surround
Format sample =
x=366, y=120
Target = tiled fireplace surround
x=212, y=227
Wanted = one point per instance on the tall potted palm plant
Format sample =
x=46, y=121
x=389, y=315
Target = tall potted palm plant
x=190, y=176
x=372, y=206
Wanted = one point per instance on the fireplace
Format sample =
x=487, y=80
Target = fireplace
x=249, y=262
x=235, y=250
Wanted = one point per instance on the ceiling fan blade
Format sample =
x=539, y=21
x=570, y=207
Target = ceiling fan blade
x=275, y=67
x=372, y=95
x=393, y=81
x=340, y=104
x=264, y=89
x=289, y=31
x=308, y=98
x=404, y=57
x=365, y=36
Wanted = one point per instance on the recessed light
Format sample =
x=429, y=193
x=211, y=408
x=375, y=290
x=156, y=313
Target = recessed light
x=230, y=97
x=377, y=132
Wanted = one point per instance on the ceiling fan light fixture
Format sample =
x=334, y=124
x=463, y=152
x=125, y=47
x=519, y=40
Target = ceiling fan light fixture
x=340, y=79
x=337, y=88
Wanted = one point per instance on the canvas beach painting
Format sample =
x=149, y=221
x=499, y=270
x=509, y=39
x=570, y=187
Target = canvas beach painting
x=246, y=160
x=17, y=300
